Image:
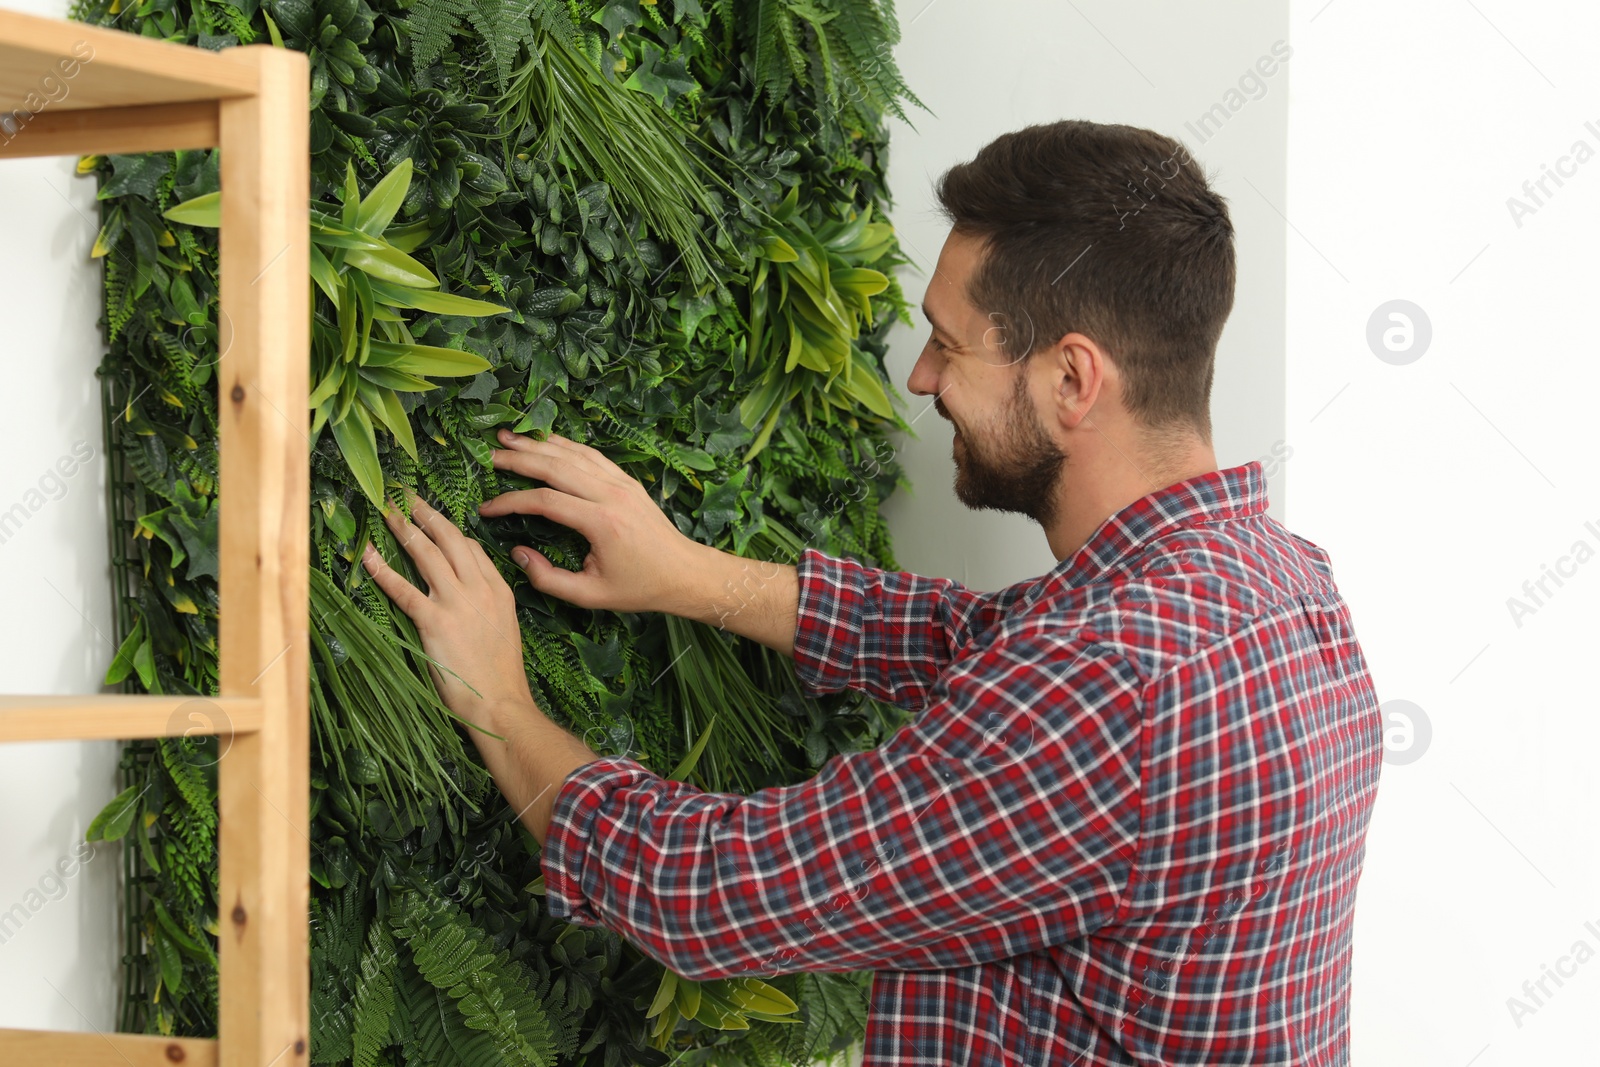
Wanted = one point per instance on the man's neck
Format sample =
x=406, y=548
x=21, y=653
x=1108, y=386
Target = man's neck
x=1088, y=497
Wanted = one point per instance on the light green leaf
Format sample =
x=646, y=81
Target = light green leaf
x=403, y=296
x=201, y=211
x=324, y=275
x=360, y=448
x=378, y=208
x=115, y=818
x=386, y=407
x=425, y=359
x=391, y=265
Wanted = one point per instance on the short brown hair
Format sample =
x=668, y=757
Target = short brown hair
x=1110, y=231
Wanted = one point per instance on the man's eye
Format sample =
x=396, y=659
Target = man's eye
x=936, y=343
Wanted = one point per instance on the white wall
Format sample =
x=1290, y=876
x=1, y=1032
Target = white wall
x=61, y=942
x=1441, y=485
x=985, y=67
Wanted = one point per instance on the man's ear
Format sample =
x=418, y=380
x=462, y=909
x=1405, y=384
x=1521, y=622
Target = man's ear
x=1077, y=367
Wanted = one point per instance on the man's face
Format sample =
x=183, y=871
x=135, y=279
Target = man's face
x=1005, y=458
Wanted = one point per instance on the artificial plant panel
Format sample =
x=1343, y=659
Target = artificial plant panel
x=655, y=227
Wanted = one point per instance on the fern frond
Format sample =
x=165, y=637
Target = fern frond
x=431, y=24
x=772, y=74
x=502, y=27
x=375, y=998
x=491, y=994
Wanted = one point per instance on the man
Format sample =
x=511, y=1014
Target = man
x=1127, y=823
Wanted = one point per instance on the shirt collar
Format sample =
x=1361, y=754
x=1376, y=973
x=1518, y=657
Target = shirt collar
x=1233, y=492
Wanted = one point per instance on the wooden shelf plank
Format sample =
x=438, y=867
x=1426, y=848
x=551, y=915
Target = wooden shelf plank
x=145, y=128
x=73, y=1049
x=53, y=65
x=264, y=544
x=115, y=716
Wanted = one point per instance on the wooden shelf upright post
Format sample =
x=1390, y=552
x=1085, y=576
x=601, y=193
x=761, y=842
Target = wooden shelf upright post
x=117, y=92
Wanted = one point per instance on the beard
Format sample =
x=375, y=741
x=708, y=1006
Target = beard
x=1011, y=465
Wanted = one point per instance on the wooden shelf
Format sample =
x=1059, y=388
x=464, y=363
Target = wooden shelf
x=117, y=716
x=99, y=68
x=106, y=1050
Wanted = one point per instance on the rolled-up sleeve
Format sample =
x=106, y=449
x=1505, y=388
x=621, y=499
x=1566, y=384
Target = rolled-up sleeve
x=885, y=633
x=1002, y=820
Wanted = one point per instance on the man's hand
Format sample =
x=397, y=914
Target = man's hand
x=638, y=560
x=467, y=619
x=468, y=623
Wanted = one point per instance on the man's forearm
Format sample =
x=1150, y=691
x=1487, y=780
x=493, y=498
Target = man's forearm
x=750, y=597
x=532, y=762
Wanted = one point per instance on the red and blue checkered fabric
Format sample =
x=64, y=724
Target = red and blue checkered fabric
x=1125, y=826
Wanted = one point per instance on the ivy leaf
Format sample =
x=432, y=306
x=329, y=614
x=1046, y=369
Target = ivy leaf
x=665, y=81
x=481, y=388
x=539, y=418
x=198, y=531
x=616, y=17
x=135, y=175
x=724, y=430
x=721, y=506
x=602, y=661
x=692, y=309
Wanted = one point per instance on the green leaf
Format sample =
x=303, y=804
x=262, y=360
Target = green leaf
x=169, y=959
x=338, y=517
x=357, y=442
x=122, y=662
x=664, y=994
x=145, y=663
x=391, y=265
x=115, y=818
x=426, y=359
x=402, y=296
x=776, y=249
x=136, y=175
x=324, y=275
x=681, y=771
x=380, y=205
x=386, y=407
x=203, y=211
x=398, y=381
x=480, y=450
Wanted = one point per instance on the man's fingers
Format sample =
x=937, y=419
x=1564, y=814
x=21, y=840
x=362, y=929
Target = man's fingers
x=593, y=455
x=454, y=545
x=559, y=465
x=407, y=597
x=564, y=454
x=486, y=567
x=431, y=563
x=570, y=511
x=557, y=581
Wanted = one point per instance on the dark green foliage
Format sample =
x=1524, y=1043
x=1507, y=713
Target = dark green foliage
x=627, y=268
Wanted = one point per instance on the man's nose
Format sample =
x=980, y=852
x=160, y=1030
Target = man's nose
x=924, y=379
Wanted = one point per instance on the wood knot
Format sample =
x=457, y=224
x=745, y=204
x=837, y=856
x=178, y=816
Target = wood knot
x=300, y=1046
x=238, y=914
x=175, y=1053
x=238, y=393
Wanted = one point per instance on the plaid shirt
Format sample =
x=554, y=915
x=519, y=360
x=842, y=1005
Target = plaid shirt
x=1125, y=827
